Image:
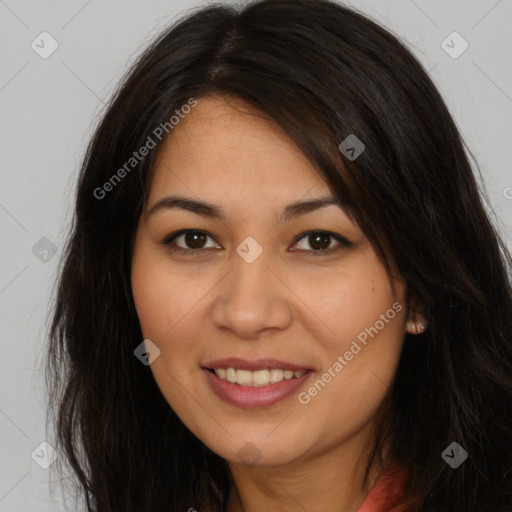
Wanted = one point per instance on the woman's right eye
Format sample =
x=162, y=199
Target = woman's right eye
x=187, y=241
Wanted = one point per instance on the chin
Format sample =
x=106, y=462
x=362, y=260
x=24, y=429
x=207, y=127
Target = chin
x=258, y=450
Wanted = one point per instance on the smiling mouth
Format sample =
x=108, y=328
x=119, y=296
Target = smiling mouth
x=257, y=378
x=257, y=385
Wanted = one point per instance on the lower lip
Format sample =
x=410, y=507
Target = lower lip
x=253, y=397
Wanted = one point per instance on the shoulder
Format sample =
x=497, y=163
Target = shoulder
x=388, y=491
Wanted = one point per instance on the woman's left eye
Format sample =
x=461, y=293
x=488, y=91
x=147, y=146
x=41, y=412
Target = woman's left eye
x=319, y=241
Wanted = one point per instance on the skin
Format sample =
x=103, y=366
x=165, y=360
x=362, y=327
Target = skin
x=293, y=305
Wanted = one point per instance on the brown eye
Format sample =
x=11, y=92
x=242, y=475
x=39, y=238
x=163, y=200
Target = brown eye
x=189, y=241
x=320, y=243
x=194, y=239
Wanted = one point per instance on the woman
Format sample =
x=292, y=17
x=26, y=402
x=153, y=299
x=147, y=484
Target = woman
x=282, y=289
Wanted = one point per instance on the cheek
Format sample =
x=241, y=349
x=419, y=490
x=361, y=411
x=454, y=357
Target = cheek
x=164, y=302
x=362, y=337
x=344, y=304
x=150, y=302
x=164, y=297
x=144, y=294
x=347, y=393
x=168, y=304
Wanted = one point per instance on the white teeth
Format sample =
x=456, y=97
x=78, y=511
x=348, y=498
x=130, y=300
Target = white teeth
x=276, y=376
x=243, y=377
x=261, y=377
x=230, y=375
x=256, y=378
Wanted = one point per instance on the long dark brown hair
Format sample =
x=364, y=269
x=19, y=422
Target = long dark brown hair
x=321, y=71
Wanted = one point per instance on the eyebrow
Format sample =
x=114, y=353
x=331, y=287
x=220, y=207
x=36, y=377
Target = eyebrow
x=213, y=211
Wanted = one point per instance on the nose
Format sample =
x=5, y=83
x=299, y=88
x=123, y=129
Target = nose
x=252, y=299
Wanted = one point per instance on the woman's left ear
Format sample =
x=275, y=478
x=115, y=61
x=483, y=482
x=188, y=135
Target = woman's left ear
x=416, y=322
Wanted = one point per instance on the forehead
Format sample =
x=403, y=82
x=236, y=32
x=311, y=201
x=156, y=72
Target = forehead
x=225, y=147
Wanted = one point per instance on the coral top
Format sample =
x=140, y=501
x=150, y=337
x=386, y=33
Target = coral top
x=387, y=492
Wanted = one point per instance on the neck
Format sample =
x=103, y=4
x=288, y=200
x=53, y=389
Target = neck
x=331, y=482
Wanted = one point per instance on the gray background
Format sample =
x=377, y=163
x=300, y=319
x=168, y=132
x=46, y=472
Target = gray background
x=49, y=106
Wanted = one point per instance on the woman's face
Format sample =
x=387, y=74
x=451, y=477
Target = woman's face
x=257, y=292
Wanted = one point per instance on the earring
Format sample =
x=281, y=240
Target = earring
x=416, y=326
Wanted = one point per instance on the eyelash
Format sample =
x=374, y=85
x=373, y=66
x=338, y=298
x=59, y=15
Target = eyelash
x=343, y=243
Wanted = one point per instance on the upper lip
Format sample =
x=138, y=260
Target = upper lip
x=253, y=365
